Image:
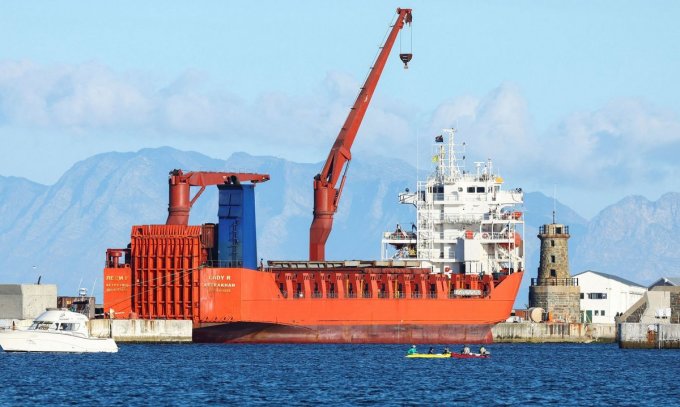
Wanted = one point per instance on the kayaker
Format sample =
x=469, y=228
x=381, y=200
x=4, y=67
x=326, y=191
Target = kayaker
x=413, y=350
x=431, y=351
x=466, y=350
x=483, y=351
x=446, y=351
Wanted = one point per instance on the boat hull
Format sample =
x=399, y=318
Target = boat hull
x=32, y=341
x=468, y=356
x=255, y=332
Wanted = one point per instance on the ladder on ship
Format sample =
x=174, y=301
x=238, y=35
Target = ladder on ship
x=425, y=221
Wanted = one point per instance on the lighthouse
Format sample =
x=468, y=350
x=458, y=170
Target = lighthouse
x=554, y=289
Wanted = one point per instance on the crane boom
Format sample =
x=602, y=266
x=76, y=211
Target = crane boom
x=326, y=194
x=179, y=183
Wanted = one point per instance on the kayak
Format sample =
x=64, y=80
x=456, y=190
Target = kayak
x=469, y=356
x=429, y=355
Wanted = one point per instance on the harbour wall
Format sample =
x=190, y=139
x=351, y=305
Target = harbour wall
x=26, y=301
x=553, y=332
x=142, y=330
x=648, y=336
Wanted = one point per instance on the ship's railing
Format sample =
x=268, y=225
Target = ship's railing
x=439, y=197
x=554, y=281
x=503, y=236
x=399, y=235
x=462, y=219
x=223, y=263
x=559, y=230
x=402, y=294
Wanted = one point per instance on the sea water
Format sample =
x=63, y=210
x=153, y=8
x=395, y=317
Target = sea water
x=197, y=374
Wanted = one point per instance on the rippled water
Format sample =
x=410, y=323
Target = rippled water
x=516, y=375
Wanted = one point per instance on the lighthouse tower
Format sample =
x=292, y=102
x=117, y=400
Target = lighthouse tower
x=554, y=290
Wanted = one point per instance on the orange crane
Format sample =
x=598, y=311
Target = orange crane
x=180, y=182
x=326, y=194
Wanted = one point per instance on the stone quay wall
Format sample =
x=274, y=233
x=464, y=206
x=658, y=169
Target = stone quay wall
x=648, y=336
x=563, y=302
x=533, y=332
x=142, y=330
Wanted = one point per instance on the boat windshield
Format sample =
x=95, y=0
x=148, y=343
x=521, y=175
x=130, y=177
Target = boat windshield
x=54, y=326
x=67, y=326
x=42, y=325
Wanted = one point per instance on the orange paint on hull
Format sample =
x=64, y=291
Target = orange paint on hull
x=241, y=305
x=165, y=277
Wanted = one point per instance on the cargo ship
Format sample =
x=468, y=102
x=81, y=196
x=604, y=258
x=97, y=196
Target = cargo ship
x=447, y=279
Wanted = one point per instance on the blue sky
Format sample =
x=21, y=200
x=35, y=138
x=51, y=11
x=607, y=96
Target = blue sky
x=581, y=96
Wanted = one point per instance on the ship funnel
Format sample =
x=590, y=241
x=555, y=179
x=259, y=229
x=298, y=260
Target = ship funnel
x=236, y=237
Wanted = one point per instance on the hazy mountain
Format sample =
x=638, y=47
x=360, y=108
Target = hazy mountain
x=62, y=231
x=16, y=195
x=634, y=238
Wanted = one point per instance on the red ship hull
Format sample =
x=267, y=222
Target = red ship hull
x=255, y=332
x=344, y=302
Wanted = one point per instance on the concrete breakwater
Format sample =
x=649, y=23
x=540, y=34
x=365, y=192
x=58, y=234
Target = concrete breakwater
x=142, y=330
x=533, y=332
x=159, y=331
x=648, y=336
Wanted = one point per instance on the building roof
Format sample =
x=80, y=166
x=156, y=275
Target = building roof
x=611, y=277
x=672, y=281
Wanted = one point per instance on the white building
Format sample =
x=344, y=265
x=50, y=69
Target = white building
x=603, y=296
x=666, y=282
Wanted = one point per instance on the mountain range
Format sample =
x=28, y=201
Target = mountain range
x=61, y=232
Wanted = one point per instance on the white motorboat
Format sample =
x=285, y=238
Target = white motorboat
x=55, y=330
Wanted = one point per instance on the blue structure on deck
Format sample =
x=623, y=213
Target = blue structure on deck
x=237, y=241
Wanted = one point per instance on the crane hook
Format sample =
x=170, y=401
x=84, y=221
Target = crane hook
x=405, y=58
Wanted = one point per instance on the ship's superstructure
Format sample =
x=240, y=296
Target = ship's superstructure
x=466, y=222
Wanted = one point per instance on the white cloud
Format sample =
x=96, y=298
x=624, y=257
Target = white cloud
x=626, y=143
x=91, y=99
x=83, y=96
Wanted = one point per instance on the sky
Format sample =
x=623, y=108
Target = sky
x=575, y=97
